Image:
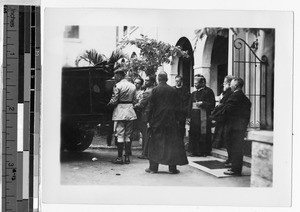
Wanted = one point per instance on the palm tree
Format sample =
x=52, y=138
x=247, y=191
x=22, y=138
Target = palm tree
x=116, y=56
x=92, y=57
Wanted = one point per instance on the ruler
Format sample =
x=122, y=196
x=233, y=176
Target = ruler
x=21, y=107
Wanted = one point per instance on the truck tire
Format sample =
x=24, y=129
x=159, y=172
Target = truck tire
x=77, y=140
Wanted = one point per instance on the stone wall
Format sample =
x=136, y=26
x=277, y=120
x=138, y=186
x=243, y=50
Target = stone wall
x=262, y=164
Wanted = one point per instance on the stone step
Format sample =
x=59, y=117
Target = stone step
x=222, y=153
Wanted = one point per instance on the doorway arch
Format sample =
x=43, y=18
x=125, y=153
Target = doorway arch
x=214, y=61
x=185, y=65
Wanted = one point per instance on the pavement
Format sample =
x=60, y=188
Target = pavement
x=93, y=167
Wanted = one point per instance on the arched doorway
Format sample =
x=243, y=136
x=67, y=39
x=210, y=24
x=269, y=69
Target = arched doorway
x=219, y=63
x=185, y=65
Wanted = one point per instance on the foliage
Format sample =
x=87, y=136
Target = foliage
x=208, y=31
x=92, y=57
x=116, y=56
x=153, y=54
x=200, y=33
x=96, y=59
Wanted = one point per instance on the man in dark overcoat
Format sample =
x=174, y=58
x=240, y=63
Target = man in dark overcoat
x=218, y=118
x=183, y=94
x=237, y=116
x=165, y=146
x=202, y=102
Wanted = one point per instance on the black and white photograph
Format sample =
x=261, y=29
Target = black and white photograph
x=154, y=103
x=108, y=108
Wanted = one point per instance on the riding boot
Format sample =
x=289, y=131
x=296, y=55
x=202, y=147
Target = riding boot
x=129, y=144
x=127, y=152
x=119, y=159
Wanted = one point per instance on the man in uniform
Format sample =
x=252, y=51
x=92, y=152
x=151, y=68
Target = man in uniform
x=202, y=102
x=123, y=114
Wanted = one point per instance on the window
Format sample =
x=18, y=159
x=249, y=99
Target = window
x=71, y=32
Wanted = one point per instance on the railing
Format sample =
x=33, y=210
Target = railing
x=253, y=70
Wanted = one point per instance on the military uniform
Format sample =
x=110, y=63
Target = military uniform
x=123, y=113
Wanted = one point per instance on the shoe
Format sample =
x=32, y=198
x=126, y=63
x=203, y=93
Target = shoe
x=229, y=172
x=228, y=165
x=142, y=157
x=150, y=171
x=176, y=171
x=117, y=161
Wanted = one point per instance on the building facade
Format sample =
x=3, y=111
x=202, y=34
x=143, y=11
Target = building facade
x=246, y=53
x=213, y=52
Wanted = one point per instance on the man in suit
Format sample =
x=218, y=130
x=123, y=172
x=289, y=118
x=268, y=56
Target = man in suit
x=123, y=114
x=202, y=102
x=183, y=95
x=143, y=107
x=218, y=118
x=165, y=146
x=237, y=115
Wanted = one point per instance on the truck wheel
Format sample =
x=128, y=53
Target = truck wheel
x=79, y=140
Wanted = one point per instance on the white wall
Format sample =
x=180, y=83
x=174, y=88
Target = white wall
x=103, y=39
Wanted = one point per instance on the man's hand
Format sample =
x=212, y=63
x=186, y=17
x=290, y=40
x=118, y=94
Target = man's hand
x=148, y=125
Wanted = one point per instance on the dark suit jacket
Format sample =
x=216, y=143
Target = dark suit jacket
x=183, y=95
x=163, y=101
x=237, y=111
x=207, y=96
x=144, y=105
x=218, y=112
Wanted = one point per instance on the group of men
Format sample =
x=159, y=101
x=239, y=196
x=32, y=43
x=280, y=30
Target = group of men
x=161, y=112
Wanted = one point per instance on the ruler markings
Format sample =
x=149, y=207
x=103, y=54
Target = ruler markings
x=10, y=168
x=22, y=83
x=31, y=97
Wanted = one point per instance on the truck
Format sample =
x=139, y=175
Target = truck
x=84, y=96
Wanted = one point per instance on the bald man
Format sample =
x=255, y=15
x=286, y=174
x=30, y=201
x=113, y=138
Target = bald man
x=165, y=145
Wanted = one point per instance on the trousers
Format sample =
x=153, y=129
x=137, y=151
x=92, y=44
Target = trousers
x=123, y=130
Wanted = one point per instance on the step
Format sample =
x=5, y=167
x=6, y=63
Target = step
x=222, y=153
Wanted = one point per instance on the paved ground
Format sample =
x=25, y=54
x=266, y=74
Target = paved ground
x=80, y=169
